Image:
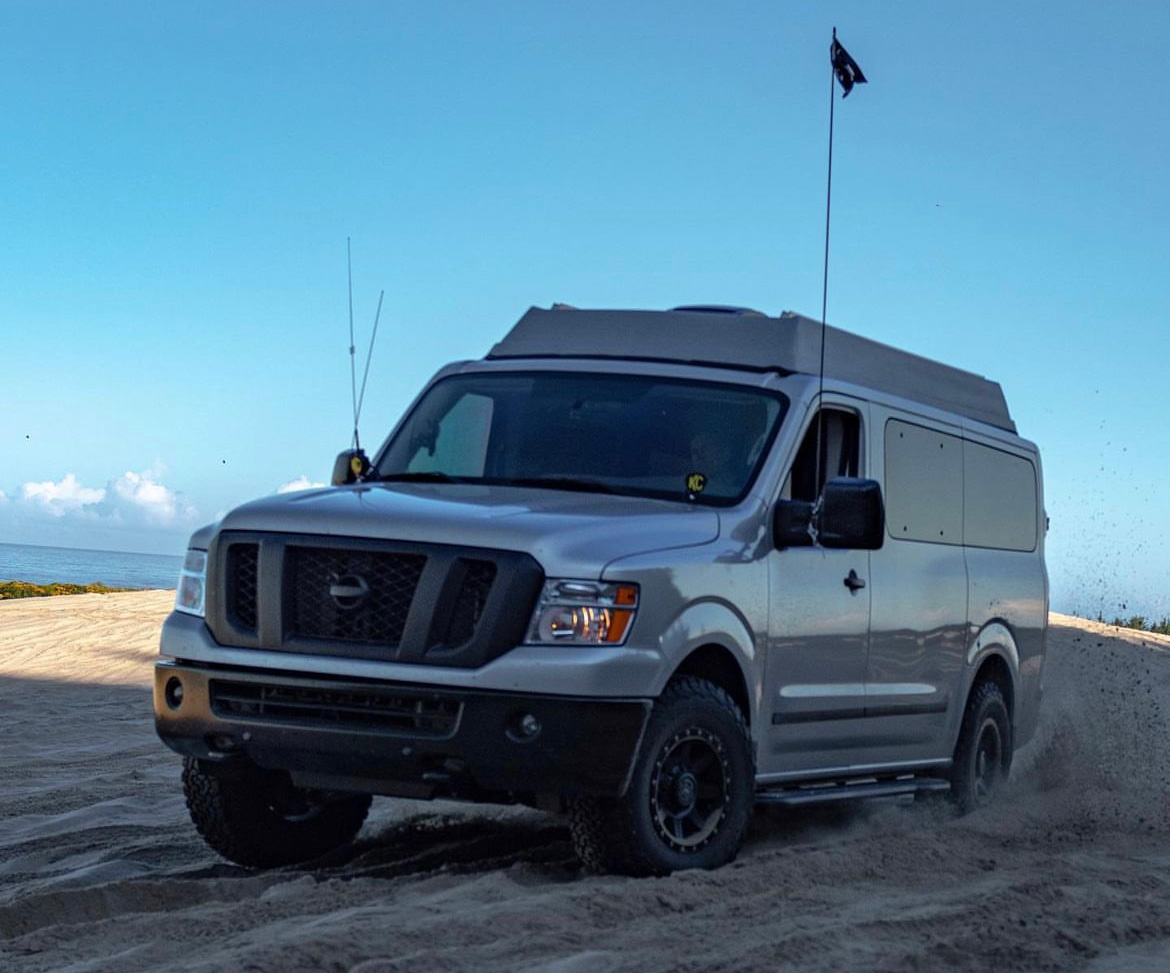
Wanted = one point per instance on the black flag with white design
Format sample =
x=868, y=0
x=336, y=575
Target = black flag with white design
x=847, y=70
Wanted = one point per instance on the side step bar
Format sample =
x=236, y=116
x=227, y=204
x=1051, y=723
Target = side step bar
x=851, y=790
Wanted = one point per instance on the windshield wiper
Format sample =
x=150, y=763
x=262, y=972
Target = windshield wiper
x=546, y=482
x=560, y=483
x=422, y=476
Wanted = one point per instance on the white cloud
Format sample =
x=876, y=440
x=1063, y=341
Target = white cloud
x=64, y=497
x=302, y=482
x=136, y=499
x=139, y=497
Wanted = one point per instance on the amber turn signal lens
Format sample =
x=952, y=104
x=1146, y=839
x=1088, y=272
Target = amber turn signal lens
x=618, y=623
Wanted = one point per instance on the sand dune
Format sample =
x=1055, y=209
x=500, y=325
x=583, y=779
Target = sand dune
x=100, y=869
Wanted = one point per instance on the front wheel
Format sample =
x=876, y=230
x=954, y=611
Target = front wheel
x=690, y=797
x=984, y=752
x=257, y=818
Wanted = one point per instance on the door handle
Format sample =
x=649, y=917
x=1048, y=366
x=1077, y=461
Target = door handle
x=853, y=582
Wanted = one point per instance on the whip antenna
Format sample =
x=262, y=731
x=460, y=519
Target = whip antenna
x=352, y=360
x=366, y=373
x=846, y=72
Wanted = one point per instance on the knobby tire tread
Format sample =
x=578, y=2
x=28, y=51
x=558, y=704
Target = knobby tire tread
x=605, y=834
x=981, y=695
x=235, y=821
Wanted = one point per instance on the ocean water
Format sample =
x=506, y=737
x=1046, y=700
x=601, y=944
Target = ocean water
x=44, y=565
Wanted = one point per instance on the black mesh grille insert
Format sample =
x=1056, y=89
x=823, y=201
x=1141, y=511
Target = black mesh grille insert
x=473, y=594
x=243, y=560
x=369, y=598
x=392, y=710
x=360, y=596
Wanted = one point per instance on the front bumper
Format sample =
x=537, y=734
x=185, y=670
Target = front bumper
x=403, y=739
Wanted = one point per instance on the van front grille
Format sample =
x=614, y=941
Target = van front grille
x=243, y=565
x=369, y=598
x=473, y=595
x=314, y=576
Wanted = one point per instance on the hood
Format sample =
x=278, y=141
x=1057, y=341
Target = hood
x=570, y=534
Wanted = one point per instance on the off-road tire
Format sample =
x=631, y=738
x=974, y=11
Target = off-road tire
x=983, y=754
x=258, y=819
x=690, y=797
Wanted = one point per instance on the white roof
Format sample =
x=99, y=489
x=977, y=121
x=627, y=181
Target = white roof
x=787, y=344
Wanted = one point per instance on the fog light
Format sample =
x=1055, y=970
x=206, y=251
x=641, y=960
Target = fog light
x=173, y=692
x=523, y=728
x=223, y=743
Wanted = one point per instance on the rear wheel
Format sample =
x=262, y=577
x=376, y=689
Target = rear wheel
x=259, y=819
x=689, y=802
x=983, y=753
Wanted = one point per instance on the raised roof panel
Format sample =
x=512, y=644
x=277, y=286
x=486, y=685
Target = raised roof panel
x=790, y=343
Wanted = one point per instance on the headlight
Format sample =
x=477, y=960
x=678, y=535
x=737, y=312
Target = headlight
x=192, y=584
x=583, y=613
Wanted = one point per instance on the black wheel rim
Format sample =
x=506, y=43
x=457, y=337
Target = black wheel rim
x=689, y=789
x=988, y=760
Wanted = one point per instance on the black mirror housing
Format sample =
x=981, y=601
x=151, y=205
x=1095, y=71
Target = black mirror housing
x=350, y=466
x=852, y=515
x=790, y=524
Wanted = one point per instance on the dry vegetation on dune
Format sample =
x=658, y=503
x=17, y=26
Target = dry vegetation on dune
x=100, y=869
x=1140, y=623
x=26, y=589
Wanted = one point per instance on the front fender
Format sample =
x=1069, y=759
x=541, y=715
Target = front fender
x=710, y=623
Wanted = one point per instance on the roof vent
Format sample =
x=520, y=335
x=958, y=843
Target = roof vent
x=719, y=309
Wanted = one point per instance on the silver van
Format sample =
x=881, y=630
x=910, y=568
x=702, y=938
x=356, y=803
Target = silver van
x=646, y=569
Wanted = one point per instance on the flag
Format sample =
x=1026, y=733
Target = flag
x=847, y=70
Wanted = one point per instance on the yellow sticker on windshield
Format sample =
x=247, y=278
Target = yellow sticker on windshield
x=696, y=483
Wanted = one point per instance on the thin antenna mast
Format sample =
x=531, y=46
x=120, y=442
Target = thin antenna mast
x=820, y=475
x=352, y=359
x=369, y=355
x=845, y=70
x=353, y=465
x=828, y=211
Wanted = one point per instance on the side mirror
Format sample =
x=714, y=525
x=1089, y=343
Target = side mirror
x=851, y=515
x=350, y=466
x=790, y=524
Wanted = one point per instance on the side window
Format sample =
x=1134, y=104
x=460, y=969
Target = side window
x=924, y=484
x=1000, y=499
x=457, y=443
x=839, y=454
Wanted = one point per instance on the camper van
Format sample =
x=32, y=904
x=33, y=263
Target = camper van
x=645, y=569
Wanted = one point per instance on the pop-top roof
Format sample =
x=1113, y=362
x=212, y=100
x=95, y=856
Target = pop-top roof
x=789, y=343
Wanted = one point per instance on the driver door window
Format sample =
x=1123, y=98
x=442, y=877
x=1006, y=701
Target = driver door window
x=839, y=454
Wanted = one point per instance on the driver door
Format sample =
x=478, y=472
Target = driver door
x=819, y=614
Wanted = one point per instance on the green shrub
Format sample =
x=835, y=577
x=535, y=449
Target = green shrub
x=26, y=589
x=1139, y=622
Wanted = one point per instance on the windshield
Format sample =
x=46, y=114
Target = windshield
x=628, y=434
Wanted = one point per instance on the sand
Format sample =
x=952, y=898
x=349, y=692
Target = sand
x=101, y=870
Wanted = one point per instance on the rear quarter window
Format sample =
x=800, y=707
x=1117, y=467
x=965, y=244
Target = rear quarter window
x=924, y=484
x=999, y=499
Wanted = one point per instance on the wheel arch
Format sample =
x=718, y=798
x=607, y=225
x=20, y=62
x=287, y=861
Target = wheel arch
x=994, y=656
x=711, y=640
x=719, y=666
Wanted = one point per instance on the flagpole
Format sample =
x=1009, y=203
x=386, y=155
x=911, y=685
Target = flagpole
x=825, y=279
x=828, y=211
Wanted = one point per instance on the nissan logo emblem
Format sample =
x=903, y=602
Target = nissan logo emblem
x=348, y=590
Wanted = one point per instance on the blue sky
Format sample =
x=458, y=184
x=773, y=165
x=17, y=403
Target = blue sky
x=177, y=182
